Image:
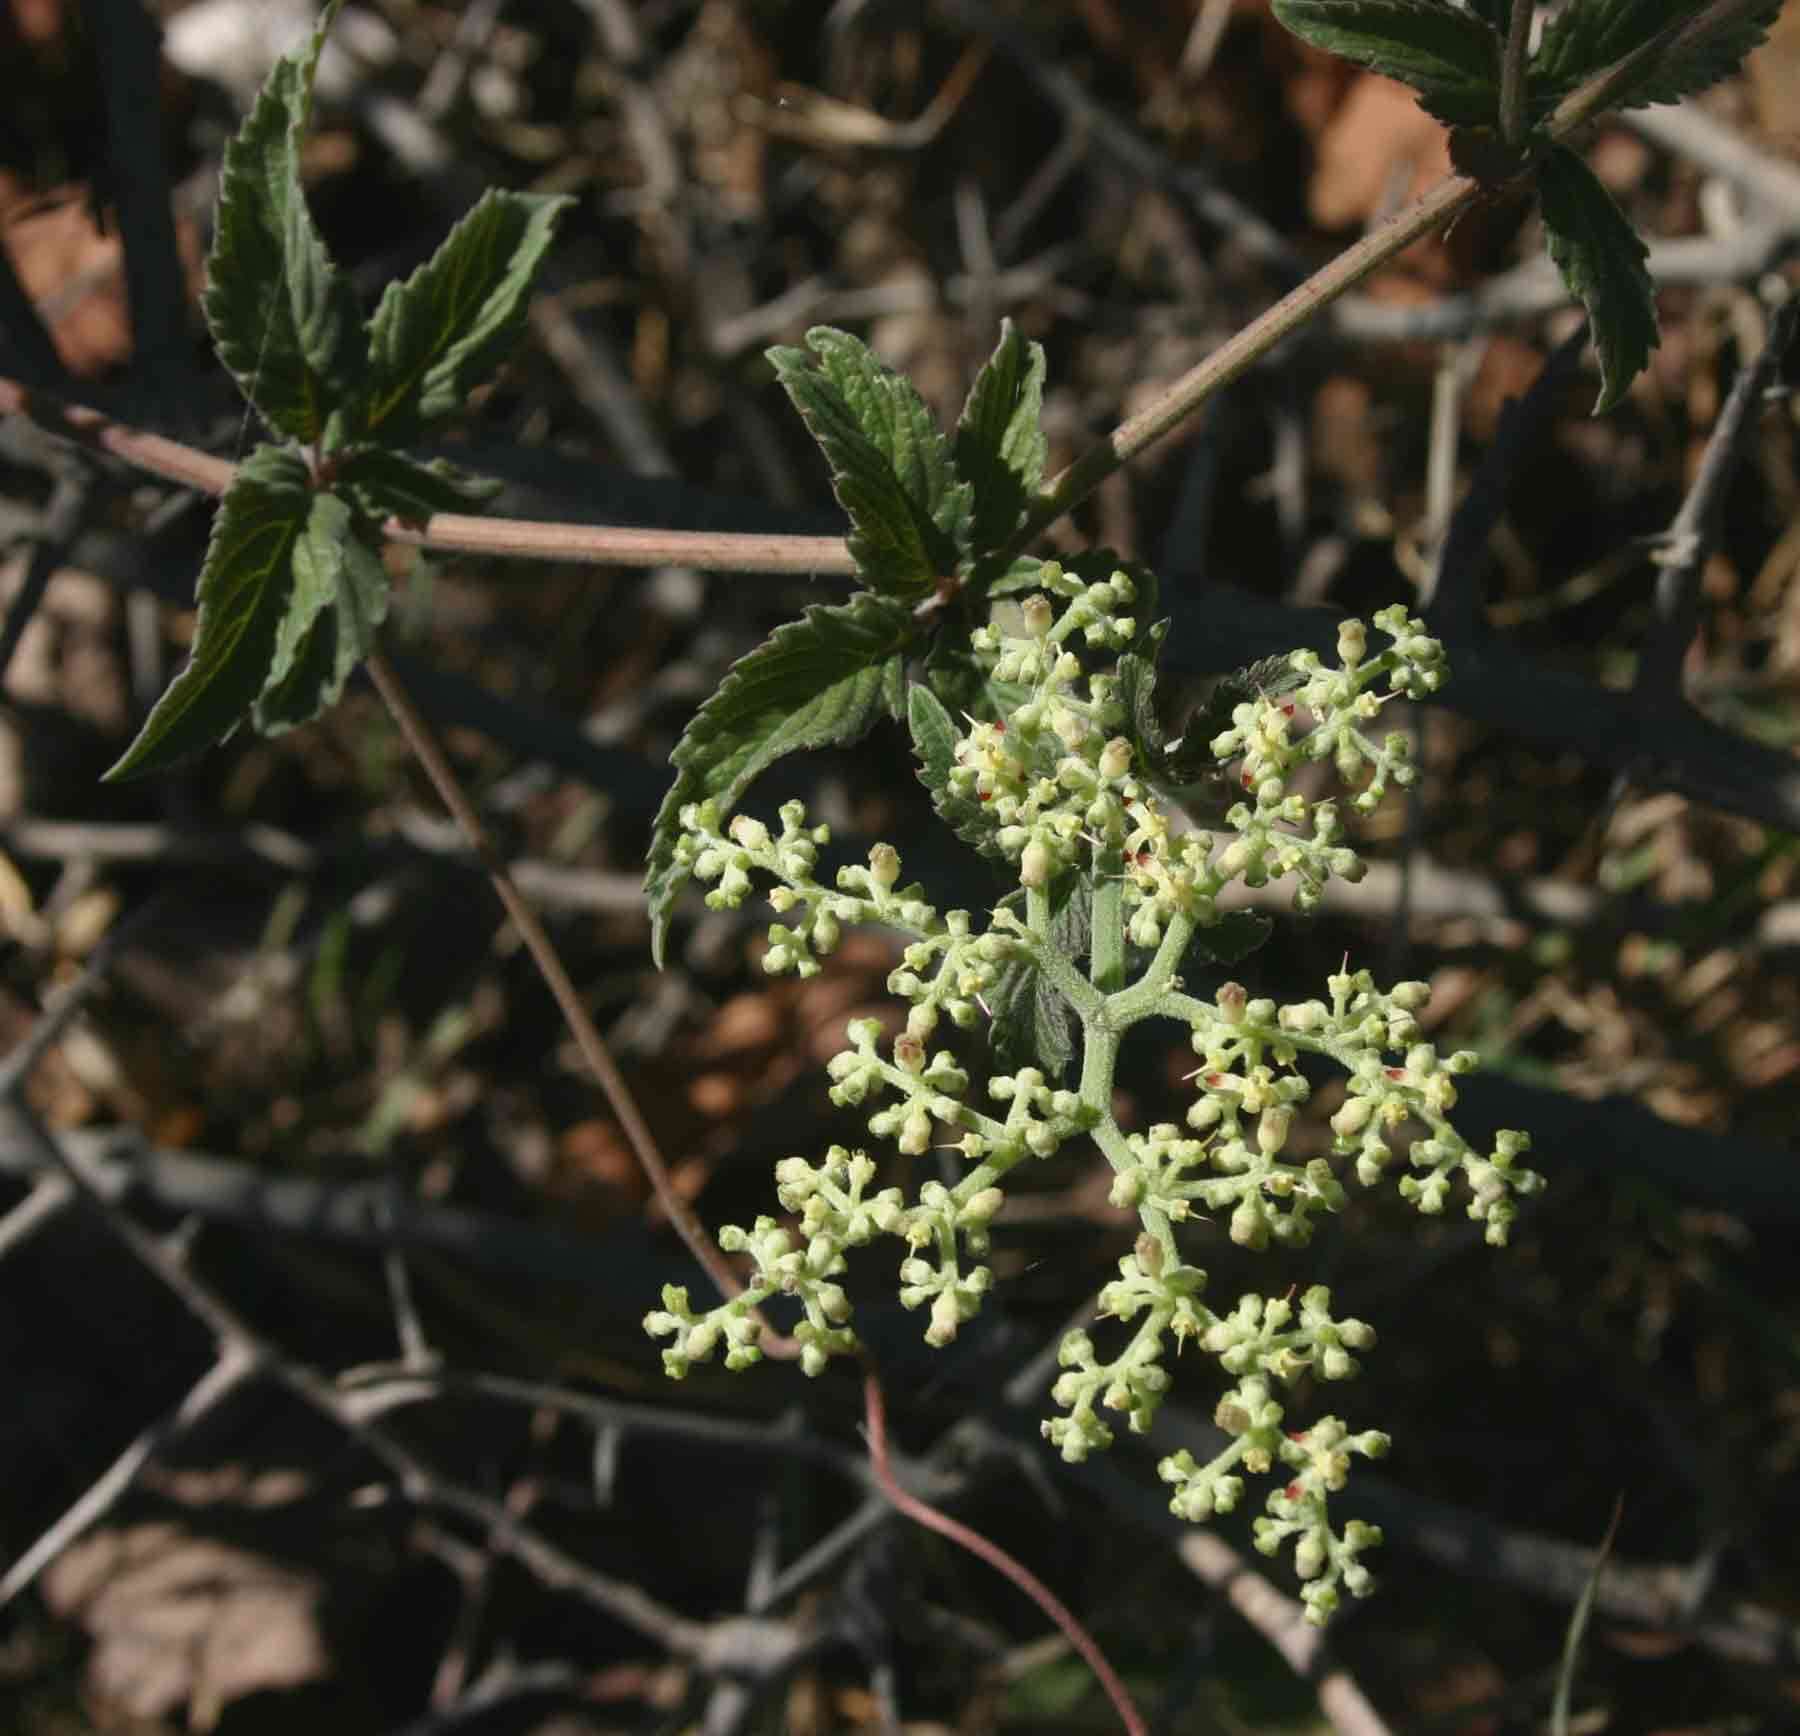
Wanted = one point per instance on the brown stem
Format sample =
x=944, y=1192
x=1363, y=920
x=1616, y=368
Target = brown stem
x=1240, y=353
x=875, y=1422
x=527, y=539
x=1513, y=61
x=424, y=745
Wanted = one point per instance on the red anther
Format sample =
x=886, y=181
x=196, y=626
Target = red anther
x=1296, y=1434
x=1215, y=1080
x=1244, y=777
x=985, y=795
x=1292, y=1491
x=999, y=726
x=1287, y=708
x=1397, y=1074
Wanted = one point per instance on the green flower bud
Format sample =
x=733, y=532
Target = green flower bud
x=946, y=1317
x=1115, y=758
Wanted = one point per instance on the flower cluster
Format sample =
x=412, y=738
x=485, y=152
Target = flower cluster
x=1053, y=784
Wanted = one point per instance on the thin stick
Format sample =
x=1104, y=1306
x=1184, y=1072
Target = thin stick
x=1239, y=354
x=875, y=1417
x=1282, y=1622
x=234, y=1366
x=437, y=767
x=524, y=539
x=1512, y=72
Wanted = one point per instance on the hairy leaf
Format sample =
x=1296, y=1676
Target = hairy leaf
x=1450, y=57
x=338, y=600
x=1234, y=936
x=249, y=306
x=891, y=467
x=1033, y=1025
x=328, y=323
x=999, y=445
x=1023, y=576
x=934, y=742
x=1588, y=37
x=816, y=682
x=381, y=484
x=1601, y=258
x=243, y=593
x=438, y=335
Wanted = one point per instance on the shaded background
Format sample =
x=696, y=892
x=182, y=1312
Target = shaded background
x=318, y=1059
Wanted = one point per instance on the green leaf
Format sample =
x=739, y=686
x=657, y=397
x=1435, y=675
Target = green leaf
x=891, y=467
x=1024, y=575
x=338, y=600
x=1234, y=936
x=934, y=742
x=328, y=323
x=820, y=681
x=1591, y=35
x=1601, y=259
x=999, y=445
x=1450, y=57
x=438, y=335
x=1033, y=1025
x=283, y=318
x=962, y=682
x=243, y=594
x=382, y=484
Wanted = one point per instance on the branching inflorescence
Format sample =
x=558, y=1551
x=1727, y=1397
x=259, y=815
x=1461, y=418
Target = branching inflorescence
x=1056, y=786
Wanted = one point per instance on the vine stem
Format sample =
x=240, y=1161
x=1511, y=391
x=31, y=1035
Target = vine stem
x=1512, y=72
x=436, y=765
x=1235, y=357
x=728, y=551
x=922, y=1513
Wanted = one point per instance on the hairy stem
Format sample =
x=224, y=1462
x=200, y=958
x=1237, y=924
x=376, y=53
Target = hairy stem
x=1106, y=956
x=1241, y=353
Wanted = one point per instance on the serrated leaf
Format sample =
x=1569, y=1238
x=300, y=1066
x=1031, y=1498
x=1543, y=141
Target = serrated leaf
x=338, y=600
x=821, y=681
x=243, y=594
x=438, y=335
x=1032, y=1024
x=283, y=318
x=381, y=484
x=1584, y=39
x=891, y=467
x=1233, y=937
x=963, y=683
x=328, y=323
x=1450, y=57
x=1601, y=258
x=934, y=744
x=1022, y=575
x=999, y=446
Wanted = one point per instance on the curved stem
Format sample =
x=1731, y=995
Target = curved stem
x=424, y=745
x=875, y=1417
